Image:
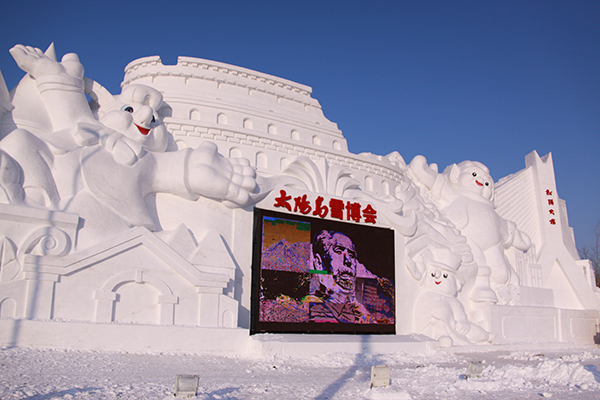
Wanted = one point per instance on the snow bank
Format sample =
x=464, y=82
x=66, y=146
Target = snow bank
x=52, y=374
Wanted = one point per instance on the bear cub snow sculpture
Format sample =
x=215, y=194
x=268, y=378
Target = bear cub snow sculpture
x=438, y=313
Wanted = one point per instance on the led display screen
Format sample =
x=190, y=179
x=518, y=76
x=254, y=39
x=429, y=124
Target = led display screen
x=315, y=275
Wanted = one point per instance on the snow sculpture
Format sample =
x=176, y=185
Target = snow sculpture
x=102, y=169
x=465, y=195
x=120, y=215
x=438, y=313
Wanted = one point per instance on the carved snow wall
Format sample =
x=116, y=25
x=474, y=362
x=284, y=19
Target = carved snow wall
x=131, y=278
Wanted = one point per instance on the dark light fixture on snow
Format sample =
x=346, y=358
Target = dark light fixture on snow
x=380, y=376
x=474, y=370
x=186, y=386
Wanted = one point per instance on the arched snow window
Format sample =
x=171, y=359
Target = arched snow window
x=385, y=187
x=195, y=114
x=368, y=183
x=234, y=152
x=261, y=160
x=8, y=308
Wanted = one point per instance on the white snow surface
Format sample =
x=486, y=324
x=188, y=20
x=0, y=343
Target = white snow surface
x=58, y=374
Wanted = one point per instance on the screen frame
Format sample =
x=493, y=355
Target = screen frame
x=311, y=327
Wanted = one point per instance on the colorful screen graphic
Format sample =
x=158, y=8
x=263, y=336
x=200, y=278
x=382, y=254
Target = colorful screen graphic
x=317, y=275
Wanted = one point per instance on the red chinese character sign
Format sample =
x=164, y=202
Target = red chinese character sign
x=551, y=207
x=317, y=275
x=334, y=208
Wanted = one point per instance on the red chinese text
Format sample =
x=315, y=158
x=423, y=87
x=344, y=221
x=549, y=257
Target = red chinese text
x=335, y=208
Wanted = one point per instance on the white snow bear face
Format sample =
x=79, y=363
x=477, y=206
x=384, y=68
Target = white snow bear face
x=135, y=116
x=441, y=281
x=475, y=177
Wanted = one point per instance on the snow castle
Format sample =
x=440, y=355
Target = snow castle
x=212, y=208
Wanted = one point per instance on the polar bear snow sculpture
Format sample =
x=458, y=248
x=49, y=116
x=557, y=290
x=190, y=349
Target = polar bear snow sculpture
x=465, y=195
x=438, y=313
x=56, y=153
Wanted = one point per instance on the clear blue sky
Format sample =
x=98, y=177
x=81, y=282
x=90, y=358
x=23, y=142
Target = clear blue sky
x=451, y=80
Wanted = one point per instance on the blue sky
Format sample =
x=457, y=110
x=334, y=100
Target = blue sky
x=452, y=80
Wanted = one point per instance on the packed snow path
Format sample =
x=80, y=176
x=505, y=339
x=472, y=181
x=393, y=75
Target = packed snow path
x=54, y=374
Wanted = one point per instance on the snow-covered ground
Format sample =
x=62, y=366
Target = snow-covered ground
x=54, y=374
